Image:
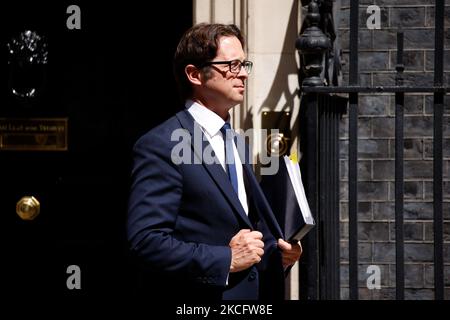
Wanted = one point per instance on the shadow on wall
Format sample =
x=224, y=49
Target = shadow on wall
x=280, y=89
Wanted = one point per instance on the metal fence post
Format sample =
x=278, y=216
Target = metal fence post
x=319, y=127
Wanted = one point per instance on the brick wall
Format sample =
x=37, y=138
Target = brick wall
x=376, y=228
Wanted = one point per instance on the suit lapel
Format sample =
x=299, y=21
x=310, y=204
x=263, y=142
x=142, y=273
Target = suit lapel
x=214, y=169
x=261, y=204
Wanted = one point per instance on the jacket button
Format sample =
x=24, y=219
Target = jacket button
x=252, y=276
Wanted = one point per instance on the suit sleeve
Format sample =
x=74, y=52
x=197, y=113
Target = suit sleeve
x=155, y=198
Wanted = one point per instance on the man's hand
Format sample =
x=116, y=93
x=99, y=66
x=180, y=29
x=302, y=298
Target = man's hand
x=247, y=248
x=290, y=252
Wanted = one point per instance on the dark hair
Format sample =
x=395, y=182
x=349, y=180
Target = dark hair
x=198, y=45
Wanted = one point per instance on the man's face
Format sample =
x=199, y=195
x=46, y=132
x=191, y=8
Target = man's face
x=224, y=89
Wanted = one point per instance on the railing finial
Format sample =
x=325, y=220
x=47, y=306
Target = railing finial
x=312, y=44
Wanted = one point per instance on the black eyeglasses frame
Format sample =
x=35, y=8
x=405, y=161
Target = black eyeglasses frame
x=246, y=64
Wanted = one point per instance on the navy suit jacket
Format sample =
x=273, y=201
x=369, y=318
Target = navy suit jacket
x=182, y=217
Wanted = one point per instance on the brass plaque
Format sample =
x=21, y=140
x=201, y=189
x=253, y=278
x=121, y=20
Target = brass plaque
x=33, y=134
x=277, y=144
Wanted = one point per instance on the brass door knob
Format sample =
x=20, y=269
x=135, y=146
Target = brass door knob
x=28, y=208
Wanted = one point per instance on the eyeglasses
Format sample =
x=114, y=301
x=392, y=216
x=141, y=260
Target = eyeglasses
x=234, y=65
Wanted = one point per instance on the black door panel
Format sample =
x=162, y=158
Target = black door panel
x=112, y=80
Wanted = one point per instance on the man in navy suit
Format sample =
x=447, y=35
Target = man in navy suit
x=203, y=229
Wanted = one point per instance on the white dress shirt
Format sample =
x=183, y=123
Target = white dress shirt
x=211, y=123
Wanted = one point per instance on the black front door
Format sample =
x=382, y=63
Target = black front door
x=96, y=90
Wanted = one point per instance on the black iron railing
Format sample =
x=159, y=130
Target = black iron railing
x=320, y=114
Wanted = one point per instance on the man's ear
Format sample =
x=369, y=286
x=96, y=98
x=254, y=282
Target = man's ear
x=193, y=74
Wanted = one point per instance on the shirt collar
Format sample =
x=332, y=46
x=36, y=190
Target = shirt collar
x=210, y=121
